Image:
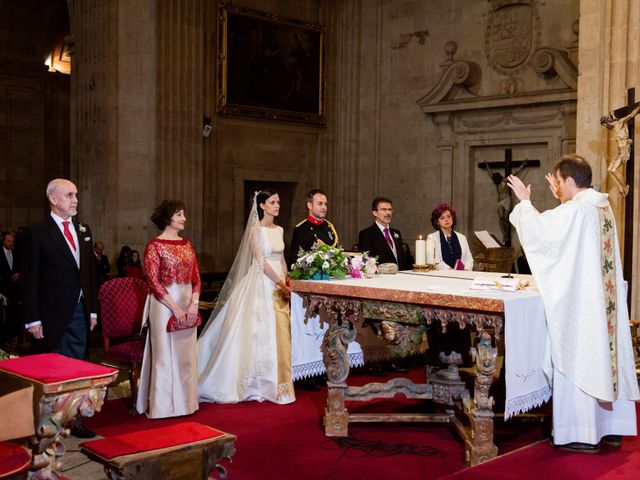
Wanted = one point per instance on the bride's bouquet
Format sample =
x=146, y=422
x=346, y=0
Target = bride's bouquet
x=320, y=263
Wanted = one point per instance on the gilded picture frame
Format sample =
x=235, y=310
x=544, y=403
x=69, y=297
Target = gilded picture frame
x=270, y=67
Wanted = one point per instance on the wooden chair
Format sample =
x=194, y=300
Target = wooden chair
x=16, y=418
x=122, y=303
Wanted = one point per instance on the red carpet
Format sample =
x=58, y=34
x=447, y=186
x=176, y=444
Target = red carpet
x=540, y=460
x=287, y=441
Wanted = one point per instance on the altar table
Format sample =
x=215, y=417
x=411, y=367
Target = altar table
x=63, y=388
x=401, y=308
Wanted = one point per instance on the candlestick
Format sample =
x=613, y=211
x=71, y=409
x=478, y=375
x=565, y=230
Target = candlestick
x=420, y=250
x=431, y=251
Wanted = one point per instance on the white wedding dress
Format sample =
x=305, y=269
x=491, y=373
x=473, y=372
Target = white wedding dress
x=244, y=353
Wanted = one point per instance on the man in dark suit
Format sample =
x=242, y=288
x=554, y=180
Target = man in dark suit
x=380, y=239
x=384, y=242
x=59, y=280
x=9, y=283
x=314, y=228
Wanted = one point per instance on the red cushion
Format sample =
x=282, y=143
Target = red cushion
x=132, y=351
x=152, y=439
x=14, y=459
x=53, y=368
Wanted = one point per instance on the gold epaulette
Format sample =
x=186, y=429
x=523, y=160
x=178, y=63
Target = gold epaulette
x=335, y=234
x=301, y=222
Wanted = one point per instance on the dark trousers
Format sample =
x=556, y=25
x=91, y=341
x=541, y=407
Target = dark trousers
x=74, y=340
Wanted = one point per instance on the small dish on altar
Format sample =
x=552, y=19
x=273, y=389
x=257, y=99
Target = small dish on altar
x=388, y=268
x=427, y=267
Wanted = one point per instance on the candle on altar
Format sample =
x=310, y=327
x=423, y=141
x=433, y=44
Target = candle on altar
x=420, y=250
x=431, y=251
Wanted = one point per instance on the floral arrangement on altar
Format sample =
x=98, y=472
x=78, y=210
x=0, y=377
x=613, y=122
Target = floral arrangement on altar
x=323, y=262
x=363, y=266
x=320, y=263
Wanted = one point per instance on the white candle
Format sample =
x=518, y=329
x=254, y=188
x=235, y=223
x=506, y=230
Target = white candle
x=420, y=250
x=431, y=251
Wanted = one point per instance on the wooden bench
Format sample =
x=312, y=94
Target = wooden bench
x=184, y=451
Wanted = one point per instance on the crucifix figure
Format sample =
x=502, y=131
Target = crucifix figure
x=505, y=201
x=617, y=122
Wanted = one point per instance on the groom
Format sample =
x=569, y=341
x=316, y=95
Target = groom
x=59, y=281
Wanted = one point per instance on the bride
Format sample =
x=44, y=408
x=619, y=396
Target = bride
x=244, y=352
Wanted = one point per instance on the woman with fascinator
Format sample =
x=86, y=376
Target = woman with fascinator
x=452, y=248
x=244, y=352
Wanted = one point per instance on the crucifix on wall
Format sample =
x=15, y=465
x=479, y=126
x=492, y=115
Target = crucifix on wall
x=505, y=200
x=621, y=123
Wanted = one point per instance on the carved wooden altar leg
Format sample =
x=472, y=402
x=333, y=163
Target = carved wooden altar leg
x=480, y=447
x=334, y=353
x=57, y=413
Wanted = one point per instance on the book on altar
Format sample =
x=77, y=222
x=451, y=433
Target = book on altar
x=492, y=283
x=487, y=240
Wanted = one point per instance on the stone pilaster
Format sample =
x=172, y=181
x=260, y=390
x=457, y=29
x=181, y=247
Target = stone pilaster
x=180, y=103
x=112, y=105
x=339, y=153
x=608, y=53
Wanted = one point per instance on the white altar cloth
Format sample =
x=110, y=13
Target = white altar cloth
x=525, y=333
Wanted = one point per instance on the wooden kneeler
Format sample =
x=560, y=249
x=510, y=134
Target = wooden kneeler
x=185, y=451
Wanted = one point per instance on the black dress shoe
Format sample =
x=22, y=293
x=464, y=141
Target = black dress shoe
x=81, y=432
x=397, y=368
x=614, y=441
x=577, y=447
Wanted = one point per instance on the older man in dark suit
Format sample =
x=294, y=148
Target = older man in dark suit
x=59, y=280
x=380, y=240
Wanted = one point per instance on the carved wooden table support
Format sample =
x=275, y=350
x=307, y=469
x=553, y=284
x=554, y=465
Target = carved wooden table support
x=336, y=340
x=57, y=413
x=63, y=388
x=480, y=447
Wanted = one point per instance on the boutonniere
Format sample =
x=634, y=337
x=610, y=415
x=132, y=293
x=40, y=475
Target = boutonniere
x=82, y=228
x=395, y=235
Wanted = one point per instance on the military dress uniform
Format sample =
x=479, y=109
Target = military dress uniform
x=310, y=231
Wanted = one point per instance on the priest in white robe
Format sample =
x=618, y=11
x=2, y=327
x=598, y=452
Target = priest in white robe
x=574, y=256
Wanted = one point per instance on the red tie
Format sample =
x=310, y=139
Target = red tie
x=68, y=236
x=388, y=237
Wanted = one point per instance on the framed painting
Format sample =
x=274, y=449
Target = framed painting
x=270, y=67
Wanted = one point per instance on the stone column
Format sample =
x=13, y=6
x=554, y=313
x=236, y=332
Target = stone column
x=340, y=145
x=113, y=118
x=180, y=104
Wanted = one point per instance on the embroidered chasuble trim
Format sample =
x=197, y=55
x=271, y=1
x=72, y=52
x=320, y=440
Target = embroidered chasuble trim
x=609, y=283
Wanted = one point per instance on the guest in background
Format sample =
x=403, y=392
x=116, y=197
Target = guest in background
x=244, y=352
x=452, y=252
x=408, y=256
x=103, y=269
x=121, y=261
x=452, y=248
x=169, y=376
x=9, y=287
x=133, y=267
x=355, y=247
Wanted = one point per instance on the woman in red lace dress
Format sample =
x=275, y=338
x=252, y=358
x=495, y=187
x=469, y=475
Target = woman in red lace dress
x=169, y=377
